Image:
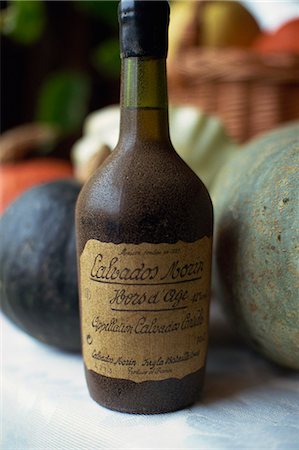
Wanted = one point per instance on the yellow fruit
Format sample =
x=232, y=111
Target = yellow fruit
x=181, y=15
x=227, y=24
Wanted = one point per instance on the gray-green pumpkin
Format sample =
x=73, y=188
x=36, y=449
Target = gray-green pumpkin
x=257, y=236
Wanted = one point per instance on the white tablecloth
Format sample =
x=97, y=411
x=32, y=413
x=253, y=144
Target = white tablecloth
x=248, y=403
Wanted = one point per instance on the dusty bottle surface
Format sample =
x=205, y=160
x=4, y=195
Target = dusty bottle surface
x=144, y=236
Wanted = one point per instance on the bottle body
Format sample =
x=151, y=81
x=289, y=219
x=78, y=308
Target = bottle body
x=144, y=235
x=145, y=194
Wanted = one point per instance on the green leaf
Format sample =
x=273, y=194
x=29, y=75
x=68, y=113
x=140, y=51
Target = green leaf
x=105, y=10
x=63, y=100
x=106, y=58
x=24, y=21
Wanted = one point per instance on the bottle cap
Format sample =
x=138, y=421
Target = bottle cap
x=143, y=28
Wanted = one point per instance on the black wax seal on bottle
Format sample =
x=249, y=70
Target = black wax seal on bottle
x=143, y=28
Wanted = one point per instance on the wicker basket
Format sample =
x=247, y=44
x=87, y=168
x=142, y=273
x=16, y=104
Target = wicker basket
x=251, y=92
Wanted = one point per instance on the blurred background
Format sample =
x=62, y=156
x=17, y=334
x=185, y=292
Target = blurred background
x=235, y=62
x=60, y=59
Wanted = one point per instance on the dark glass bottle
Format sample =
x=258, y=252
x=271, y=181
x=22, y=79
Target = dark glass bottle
x=144, y=235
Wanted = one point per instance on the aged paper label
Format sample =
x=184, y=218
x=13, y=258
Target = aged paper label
x=144, y=308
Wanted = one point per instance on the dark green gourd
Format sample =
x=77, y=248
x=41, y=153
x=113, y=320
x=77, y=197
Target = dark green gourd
x=38, y=279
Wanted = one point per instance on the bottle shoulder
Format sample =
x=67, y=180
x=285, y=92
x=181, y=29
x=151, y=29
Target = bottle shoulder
x=152, y=168
x=151, y=196
x=143, y=184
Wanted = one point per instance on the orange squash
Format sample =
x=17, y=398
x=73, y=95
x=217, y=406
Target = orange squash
x=17, y=177
x=284, y=40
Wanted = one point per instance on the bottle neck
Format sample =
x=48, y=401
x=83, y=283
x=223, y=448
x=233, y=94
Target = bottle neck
x=144, y=101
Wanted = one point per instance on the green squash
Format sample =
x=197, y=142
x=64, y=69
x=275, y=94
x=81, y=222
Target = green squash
x=257, y=234
x=200, y=140
x=38, y=276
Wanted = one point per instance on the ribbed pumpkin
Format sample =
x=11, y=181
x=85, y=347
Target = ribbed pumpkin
x=257, y=211
x=17, y=177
